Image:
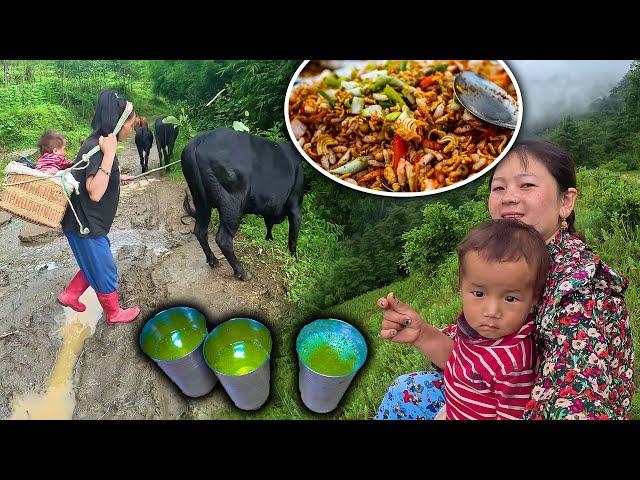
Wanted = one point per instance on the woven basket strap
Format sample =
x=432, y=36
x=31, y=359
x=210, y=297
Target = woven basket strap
x=85, y=158
x=83, y=230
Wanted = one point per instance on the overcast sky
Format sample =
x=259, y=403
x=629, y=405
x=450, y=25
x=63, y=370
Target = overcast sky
x=553, y=88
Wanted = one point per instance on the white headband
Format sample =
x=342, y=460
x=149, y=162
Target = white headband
x=123, y=118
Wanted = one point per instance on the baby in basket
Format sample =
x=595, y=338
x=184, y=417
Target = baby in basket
x=53, y=147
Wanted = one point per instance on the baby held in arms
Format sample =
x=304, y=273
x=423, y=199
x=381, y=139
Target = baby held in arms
x=487, y=355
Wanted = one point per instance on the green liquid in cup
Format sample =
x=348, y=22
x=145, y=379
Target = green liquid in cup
x=326, y=360
x=175, y=344
x=240, y=358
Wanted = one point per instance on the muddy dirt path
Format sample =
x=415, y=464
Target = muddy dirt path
x=160, y=264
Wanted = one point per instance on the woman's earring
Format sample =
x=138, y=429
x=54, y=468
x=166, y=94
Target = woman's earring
x=564, y=225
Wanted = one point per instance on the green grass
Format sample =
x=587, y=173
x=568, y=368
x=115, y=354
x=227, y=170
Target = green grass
x=632, y=175
x=27, y=110
x=146, y=103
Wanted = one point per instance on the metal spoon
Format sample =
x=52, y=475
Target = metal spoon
x=486, y=100
x=386, y=186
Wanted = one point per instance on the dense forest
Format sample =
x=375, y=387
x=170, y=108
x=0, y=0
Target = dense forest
x=610, y=133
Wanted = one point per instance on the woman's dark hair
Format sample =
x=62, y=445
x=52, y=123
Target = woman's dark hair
x=558, y=163
x=108, y=111
x=508, y=240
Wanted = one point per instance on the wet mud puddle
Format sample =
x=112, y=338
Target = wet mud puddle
x=57, y=402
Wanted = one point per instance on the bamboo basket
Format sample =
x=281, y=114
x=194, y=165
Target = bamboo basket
x=42, y=202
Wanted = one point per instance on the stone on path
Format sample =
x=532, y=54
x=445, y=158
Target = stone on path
x=35, y=234
x=5, y=217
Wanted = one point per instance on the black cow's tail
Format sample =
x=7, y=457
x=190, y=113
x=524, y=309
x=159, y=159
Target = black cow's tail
x=186, y=204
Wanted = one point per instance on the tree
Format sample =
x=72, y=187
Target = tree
x=5, y=71
x=569, y=136
x=28, y=72
x=631, y=92
x=256, y=86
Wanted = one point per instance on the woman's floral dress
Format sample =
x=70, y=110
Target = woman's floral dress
x=583, y=339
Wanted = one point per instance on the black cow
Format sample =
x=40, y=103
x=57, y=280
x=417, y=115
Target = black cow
x=166, y=134
x=144, y=140
x=239, y=173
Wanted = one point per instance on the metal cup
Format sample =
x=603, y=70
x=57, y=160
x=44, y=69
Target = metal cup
x=239, y=352
x=330, y=353
x=173, y=339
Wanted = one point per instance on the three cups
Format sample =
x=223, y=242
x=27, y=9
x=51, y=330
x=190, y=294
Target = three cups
x=238, y=352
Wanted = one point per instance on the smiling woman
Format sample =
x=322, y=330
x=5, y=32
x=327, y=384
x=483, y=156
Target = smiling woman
x=541, y=193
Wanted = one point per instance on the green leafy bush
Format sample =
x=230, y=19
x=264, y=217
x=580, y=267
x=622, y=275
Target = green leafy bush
x=606, y=197
x=616, y=165
x=426, y=245
x=443, y=227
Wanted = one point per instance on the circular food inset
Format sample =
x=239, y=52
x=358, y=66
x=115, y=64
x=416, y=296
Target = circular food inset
x=396, y=127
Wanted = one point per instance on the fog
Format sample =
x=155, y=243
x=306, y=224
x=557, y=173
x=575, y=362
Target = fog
x=554, y=88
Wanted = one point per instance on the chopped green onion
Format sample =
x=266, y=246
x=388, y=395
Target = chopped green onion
x=354, y=166
x=392, y=116
x=373, y=75
x=393, y=95
x=333, y=82
x=368, y=111
x=348, y=85
x=329, y=96
x=356, y=105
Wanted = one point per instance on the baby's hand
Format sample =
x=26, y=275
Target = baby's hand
x=400, y=322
